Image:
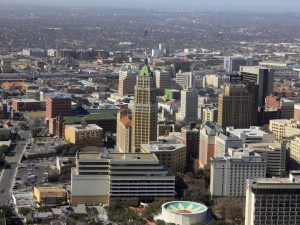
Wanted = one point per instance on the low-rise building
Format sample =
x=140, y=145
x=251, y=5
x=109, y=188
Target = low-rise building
x=171, y=155
x=84, y=135
x=251, y=135
x=26, y=105
x=50, y=196
x=229, y=173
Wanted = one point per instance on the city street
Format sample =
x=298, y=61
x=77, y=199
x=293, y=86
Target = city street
x=9, y=174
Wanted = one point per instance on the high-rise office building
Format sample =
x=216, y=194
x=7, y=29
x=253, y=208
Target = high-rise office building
x=229, y=172
x=124, y=131
x=144, y=117
x=273, y=200
x=127, y=81
x=189, y=106
x=185, y=80
x=262, y=76
x=235, y=106
x=163, y=81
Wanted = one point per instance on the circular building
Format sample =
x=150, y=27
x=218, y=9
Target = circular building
x=183, y=212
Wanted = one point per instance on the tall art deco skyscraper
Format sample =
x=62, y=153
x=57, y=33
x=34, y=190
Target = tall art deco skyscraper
x=144, y=116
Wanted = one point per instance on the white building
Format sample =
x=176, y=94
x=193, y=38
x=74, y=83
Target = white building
x=185, y=80
x=229, y=173
x=189, y=106
x=273, y=200
x=251, y=135
x=182, y=213
x=119, y=177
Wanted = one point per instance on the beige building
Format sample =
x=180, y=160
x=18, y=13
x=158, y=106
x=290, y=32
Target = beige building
x=283, y=128
x=127, y=81
x=273, y=200
x=297, y=112
x=294, y=152
x=50, y=196
x=84, y=135
x=211, y=80
x=124, y=130
x=209, y=114
x=274, y=154
x=235, y=107
x=144, y=116
x=121, y=178
x=171, y=155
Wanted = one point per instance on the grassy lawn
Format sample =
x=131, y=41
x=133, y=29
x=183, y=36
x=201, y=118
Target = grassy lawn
x=36, y=114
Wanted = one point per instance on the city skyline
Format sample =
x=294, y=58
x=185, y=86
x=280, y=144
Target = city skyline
x=205, y=5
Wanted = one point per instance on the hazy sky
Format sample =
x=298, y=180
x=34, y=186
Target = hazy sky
x=232, y=5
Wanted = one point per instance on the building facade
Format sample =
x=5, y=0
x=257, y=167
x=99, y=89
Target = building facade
x=262, y=76
x=229, y=173
x=124, y=131
x=144, y=116
x=235, y=107
x=189, y=106
x=171, y=155
x=127, y=81
x=273, y=200
x=120, y=178
x=84, y=135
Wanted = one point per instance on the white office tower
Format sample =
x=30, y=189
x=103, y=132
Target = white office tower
x=273, y=201
x=185, y=80
x=163, y=81
x=189, y=106
x=229, y=173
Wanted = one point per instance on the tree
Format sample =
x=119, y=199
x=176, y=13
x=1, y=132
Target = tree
x=35, y=132
x=4, y=95
x=4, y=150
x=152, y=209
x=24, y=211
x=160, y=222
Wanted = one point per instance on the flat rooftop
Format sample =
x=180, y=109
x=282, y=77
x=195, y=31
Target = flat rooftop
x=117, y=156
x=26, y=100
x=161, y=146
x=252, y=131
x=90, y=117
x=79, y=127
x=54, y=95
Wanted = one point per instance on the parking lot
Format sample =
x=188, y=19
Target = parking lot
x=37, y=165
x=33, y=172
